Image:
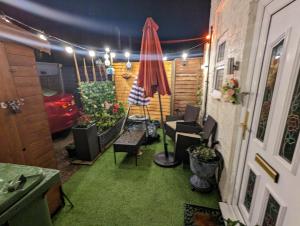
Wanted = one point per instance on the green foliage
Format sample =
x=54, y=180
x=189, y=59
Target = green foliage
x=203, y=153
x=99, y=101
x=233, y=223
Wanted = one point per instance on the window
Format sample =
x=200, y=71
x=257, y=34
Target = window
x=219, y=72
x=269, y=90
x=219, y=78
x=221, y=52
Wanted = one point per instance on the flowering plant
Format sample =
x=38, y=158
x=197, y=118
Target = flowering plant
x=100, y=102
x=84, y=121
x=231, y=91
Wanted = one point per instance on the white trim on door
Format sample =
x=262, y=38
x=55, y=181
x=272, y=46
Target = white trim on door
x=256, y=56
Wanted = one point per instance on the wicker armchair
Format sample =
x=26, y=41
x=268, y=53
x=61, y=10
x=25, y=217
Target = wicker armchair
x=183, y=122
x=185, y=139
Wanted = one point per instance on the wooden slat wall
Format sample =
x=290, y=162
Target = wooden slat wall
x=188, y=79
x=123, y=87
x=31, y=130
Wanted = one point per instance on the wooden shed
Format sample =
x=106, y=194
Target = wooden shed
x=24, y=136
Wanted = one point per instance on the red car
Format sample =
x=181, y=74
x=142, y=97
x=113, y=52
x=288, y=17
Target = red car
x=62, y=111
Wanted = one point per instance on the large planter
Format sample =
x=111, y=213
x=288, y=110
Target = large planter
x=110, y=134
x=86, y=142
x=204, y=174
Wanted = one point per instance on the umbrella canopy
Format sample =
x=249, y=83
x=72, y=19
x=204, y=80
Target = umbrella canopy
x=152, y=74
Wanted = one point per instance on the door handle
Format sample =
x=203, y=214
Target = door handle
x=244, y=125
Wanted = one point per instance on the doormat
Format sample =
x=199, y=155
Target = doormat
x=202, y=216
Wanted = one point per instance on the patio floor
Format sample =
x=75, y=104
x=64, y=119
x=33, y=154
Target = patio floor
x=106, y=194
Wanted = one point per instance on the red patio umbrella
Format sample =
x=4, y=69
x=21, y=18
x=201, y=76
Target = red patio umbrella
x=152, y=77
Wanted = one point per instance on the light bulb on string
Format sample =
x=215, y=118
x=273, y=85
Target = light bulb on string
x=165, y=58
x=5, y=19
x=69, y=49
x=43, y=37
x=184, y=55
x=92, y=53
x=107, y=49
x=127, y=54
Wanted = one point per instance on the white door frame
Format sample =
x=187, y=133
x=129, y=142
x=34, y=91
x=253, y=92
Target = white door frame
x=253, y=77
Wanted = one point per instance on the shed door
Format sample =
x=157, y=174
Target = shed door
x=271, y=180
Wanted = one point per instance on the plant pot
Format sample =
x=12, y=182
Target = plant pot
x=86, y=142
x=204, y=173
x=110, y=134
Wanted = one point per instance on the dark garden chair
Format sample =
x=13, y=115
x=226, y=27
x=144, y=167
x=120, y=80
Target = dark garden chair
x=175, y=123
x=195, y=136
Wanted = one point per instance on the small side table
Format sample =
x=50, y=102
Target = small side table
x=129, y=142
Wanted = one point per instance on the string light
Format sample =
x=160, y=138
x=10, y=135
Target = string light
x=5, y=19
x=127, y=54
x=92, y=53
x=43, y=37
x=69, y=49
x=184, y=55
x=165, y=58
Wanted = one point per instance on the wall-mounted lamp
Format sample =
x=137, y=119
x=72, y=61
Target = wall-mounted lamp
x=232, y=66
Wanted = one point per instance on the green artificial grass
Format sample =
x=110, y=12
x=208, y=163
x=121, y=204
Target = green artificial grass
x=106, y=194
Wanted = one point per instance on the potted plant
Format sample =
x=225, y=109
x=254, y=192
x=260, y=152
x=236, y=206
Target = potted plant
x=85, y=138
x=109, y=123
x=203, y=163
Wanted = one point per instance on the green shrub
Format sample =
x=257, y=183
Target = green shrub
x=99, y=101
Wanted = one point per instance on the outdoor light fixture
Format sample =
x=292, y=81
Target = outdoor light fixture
x=207, y=37
x=69, y=49
x=107, y=49
x=232, y=66
x=127, y=54
x=43, y=37
x=165, y=58
x=92, y=53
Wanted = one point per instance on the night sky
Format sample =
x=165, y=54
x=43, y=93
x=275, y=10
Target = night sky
x=115, y=23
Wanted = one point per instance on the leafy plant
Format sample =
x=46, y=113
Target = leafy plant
x=99, y=101
x=233, y=223
x=203, y=153
x=84, y=121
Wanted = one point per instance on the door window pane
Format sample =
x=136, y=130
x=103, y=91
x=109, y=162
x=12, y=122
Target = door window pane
x=271, y=213
x=292, y=126
x=219, y=78
x=249, y=190
x=269, y=89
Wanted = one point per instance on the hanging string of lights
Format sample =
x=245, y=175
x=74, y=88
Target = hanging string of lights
x=109, y=56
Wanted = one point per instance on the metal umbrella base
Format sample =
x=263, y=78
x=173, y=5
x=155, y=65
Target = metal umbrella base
x=162, y=160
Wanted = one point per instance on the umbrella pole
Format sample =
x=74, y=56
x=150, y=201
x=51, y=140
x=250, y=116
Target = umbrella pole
x=164, y=159
x=162, y=124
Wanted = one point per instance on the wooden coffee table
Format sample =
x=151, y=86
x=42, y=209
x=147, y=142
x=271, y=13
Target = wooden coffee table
x=130, y=142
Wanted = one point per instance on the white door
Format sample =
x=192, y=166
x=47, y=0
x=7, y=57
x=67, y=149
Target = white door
x=270, y=193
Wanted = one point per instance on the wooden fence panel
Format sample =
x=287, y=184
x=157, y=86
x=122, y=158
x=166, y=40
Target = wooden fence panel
x=123, y=87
